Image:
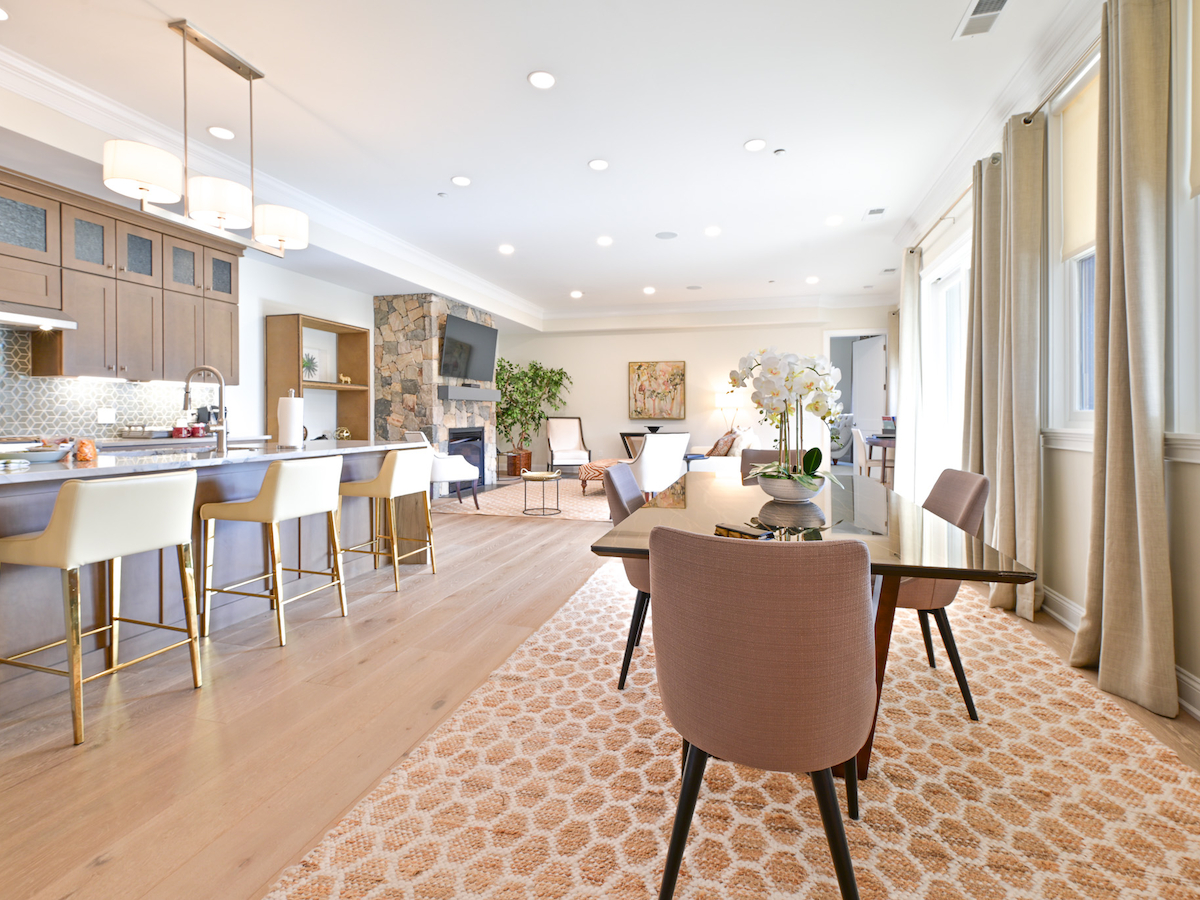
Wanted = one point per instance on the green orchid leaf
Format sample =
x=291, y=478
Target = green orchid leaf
x=812, y=461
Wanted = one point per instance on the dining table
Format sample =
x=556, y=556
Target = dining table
x=904, y=540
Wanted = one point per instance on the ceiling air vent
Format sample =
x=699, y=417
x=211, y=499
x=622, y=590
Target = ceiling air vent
x=873, y=213
x=980, y=17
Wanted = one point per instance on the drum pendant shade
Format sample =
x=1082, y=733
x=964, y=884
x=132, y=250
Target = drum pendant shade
x=220, y=202
x=280, y=226
x=137, y=170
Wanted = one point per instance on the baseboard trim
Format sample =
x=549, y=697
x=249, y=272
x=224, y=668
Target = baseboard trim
x=1189, y=692
x=1062, y=610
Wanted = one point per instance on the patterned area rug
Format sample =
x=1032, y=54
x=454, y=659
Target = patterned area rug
x=548, y=783
x=510, y=500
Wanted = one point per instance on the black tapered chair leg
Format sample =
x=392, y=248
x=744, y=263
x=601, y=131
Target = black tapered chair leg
x=683, y=755
x=851, y=772
x=693, y=777
x=642, y=623
x=923, y=615
x=943, y=623
x=835, y=832
x=639, y=606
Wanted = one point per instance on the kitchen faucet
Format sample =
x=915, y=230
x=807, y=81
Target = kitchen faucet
x=219, y=427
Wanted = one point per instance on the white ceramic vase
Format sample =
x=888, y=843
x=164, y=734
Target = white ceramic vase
x=785, y=490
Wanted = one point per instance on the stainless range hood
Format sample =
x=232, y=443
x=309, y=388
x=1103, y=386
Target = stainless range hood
x=34, y=318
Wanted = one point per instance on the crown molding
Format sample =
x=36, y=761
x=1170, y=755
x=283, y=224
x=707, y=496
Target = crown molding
x=1075, y=29
x=756, y=304
x=35, y=82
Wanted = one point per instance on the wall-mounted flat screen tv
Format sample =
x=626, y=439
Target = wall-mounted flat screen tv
x=468, y=350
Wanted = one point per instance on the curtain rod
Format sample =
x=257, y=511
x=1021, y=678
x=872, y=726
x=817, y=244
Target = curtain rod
x=1080, y=63
x=942, y=218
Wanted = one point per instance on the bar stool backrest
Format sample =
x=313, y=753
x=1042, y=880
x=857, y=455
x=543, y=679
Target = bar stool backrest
x=406, y=471
x=105, y=518
x=299, y=487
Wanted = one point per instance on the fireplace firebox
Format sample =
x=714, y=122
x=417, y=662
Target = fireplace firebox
x=467, y=443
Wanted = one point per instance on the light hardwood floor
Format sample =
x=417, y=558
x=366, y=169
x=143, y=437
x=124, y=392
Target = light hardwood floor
x=211, y=793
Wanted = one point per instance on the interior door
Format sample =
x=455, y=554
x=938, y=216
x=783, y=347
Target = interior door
x=869, y=392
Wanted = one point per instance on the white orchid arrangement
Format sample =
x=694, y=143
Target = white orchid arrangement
x=785, y=386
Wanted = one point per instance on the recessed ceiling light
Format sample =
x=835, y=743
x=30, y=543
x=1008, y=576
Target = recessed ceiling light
x=506, y=249
x=666, y=235
x=460, y=180
x=575, y=295
x=812, y=279
x=443, y=194
x=604, y=240
x=755, y=145
x=3, y=15
x=543, y=80
x=218, y=132
x=693, y=287
x=834, y=221
x=780, y=152
x=598, y=165
x=647, y=290
x=712, y=230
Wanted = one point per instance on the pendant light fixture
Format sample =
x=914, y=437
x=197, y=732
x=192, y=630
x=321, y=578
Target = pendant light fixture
x=215, y=205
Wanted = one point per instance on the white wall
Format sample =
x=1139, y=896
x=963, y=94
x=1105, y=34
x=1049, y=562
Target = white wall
x=267, y=290
x=598, y=366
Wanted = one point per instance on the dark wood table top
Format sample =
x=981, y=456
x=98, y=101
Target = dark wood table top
x=904, y=539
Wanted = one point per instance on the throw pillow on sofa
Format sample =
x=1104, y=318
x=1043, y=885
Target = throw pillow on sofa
x=724, y=442
x=746, y=440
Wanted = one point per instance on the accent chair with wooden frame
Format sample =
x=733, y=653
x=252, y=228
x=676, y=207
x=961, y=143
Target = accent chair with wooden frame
x=102, y=520
x=564, y=435
x=761, y=668
x=659, y=461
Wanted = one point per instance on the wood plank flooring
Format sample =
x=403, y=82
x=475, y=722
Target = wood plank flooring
x=209, y=794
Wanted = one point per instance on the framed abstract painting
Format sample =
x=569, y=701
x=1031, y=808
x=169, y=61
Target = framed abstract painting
x=656, y=390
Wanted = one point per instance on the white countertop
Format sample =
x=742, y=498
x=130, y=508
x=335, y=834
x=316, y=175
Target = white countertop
x=135, y=460
x=207, y=440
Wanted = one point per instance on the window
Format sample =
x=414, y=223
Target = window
x=1084, y=317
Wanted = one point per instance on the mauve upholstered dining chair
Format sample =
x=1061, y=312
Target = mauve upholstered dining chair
x=763, y=668
x=752, y=458
x=624, y=497
x=959, y=498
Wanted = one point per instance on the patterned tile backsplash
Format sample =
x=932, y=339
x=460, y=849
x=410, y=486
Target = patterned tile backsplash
x=32, y=405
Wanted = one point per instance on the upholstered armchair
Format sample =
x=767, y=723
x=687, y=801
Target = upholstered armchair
x=565, y=436
x=659, y=461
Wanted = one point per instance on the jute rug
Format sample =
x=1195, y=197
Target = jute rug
x=510, y=501
x=549, y=783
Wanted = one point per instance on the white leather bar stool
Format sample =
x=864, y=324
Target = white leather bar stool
x=291, y=488
x=102, y=520
x=404, y=472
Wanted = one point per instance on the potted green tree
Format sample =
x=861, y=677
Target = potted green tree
x=525, y=391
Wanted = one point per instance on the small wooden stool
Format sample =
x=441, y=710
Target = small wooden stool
x=542, y=477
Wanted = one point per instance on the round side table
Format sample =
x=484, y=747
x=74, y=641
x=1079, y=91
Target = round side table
x=543, y=477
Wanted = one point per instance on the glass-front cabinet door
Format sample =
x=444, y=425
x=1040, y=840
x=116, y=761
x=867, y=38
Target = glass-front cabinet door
x=89, y=242
x=221, y=276
x=183, y=266
x=139, y=255
x=29, y=226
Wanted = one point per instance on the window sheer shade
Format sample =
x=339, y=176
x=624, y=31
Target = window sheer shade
x=1080, y=127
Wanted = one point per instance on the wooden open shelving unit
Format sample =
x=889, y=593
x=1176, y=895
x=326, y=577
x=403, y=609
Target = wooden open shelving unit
x=285, y=347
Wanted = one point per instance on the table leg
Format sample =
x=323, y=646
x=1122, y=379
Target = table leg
x=885, y=617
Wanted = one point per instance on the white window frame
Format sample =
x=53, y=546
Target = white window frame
x=1060, y=349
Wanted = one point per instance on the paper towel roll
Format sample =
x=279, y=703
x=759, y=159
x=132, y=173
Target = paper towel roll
x=291, y=421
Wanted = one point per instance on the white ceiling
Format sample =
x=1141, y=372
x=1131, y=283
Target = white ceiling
x=373, y=105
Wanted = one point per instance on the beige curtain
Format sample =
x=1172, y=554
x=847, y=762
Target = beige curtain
x=1017, y=483
x=980, y=411
x=908, y=407
x=1128, y=623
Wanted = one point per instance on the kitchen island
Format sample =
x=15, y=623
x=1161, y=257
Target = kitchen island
x=31, y=597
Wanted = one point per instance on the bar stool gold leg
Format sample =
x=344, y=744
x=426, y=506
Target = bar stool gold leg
x=210, y=544
x=113, y=567
x=277, y=579
x=71, y=614
x=339, y=575
x=393, y=544
x=187, y=578
x=374, y=531
x=429, y=534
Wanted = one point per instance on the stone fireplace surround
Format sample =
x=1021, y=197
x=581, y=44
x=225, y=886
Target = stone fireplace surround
x=408, y=343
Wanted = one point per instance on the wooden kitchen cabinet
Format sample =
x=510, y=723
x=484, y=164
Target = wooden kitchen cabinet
x=183, y=266
x=32, y=283
x=90, y=349
x=139, y=332
x=139, y=255
x=89, y=241
x=220, y=276
x=221, y=338
x=29, y=226
x=183, y=334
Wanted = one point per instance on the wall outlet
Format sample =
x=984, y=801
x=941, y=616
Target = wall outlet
x=106, y=415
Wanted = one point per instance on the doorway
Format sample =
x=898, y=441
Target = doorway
x=862, y=359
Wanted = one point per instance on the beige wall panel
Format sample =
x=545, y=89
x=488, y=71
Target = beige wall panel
x=1066, y=521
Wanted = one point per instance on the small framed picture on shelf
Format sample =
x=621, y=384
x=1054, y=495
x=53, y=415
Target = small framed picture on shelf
x=314, y=365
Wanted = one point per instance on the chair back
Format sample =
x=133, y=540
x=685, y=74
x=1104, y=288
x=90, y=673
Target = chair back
x=752, y=458
x=565, y=433
x=624, y=499
x=659, y=462
x=633, y=444
x=406, y=471
x=103, y=518
x=860, y=452
x=960, y=498
x=299, y=487
x=765, y=650
x=417, y=437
